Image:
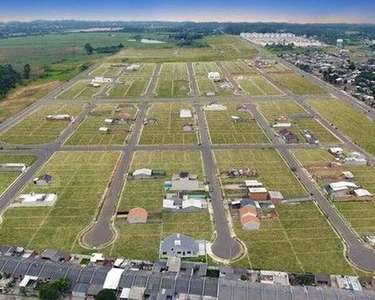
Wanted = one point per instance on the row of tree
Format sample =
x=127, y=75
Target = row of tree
x=102, y=50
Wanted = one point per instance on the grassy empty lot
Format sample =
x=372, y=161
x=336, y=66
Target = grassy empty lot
x=238, y=67
x=80, y=181
x=173, y=81
x=206, y=85
x=149, y=193
x=297, y=84
x=224, y=131
x=7, y=178
x=276, y=67
x=35, y=129
x=257, y=85
x=106, y=70
x=354, y=124
x=300, y=240
x=273, y=171
x=132, y=83
x=81, y=90
x=289, y=108
x=169, y=126
x=88, y=131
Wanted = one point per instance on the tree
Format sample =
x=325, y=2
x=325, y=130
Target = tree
x=54, y=289
x=106, y=295
x=26, y=71
x=89, y=49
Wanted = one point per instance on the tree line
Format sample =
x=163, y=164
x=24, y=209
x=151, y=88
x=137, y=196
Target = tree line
x=10, y=77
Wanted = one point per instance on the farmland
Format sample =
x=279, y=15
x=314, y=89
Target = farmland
x=297, y=84
x=173, y=81
x=351, y=122
x=168, y=128
x=224, y=131
x=300, y=240
x=80, y=90
x=206, y=85
x=79, y=180
x=35, y=129
x=273, y=172
x=88, y=131
x=7, y=178
x=257, y=85
x=288, y=108
x=132, y=83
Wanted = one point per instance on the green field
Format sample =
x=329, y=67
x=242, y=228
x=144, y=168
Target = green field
x=239, y=67
x=297, y=84
x=88, y=131
x=257, y=85
x=80, y=181
x=141, y=241
x=106, y=70
x=7, y=178
x=132, y=83
x=300, y=240
x=169, y=126
x=35, y=129
x=224, y=131
x=273, y=171
x=289, y=108
x=206, y=85
x=173, y=81
x=224, y=47
x=354, y=124
x=81, y=90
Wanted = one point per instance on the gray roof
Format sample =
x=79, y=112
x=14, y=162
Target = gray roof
x=80, y=287
x=186, y=243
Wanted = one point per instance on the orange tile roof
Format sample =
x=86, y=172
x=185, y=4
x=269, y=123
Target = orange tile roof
x=248, y=210
x=249, y=218
x=138, y=212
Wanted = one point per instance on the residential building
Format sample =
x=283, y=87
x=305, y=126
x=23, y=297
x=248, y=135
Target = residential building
x=335, y=150
x=215, y=76
x=185, y=113
x=137, y=215
x=35, y=200
x=184, y=182
x=288, y=136
x=362, y=193
x=146, y=173
x=183, y=203
x=181, y=245
x=101, y=79
x=62, y=117
x=43, y=180
x=309, y=137
x=258, y=194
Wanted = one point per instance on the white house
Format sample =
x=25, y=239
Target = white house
x=17, y=167
x=342, y=185
x=101, y=79
x=215, y=76
x=362, y=193
x=185, y=113
x=133, y=67
x=35, y=200
x=335, y=150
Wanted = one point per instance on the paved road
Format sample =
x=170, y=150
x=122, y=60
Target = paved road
x=225, y=246
x=230, y=78
x=102, y=232
x=193, y=81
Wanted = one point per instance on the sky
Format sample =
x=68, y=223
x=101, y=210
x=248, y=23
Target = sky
x=297, y=11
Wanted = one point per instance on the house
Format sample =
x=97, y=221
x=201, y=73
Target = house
x=341, y=185
x=185, y=113
x=184, y=182
x=250, y=222
x=309, y=137
x=215, y=76
x=147, y=174
x=133, y=67
x=181, y=245
x=335, y=150
x=13, y=167
x=54, y=255
x=253, y=183
x=249, y=202
x=62, y=117
x=35, y=200
x=362, y=193
x=101, y=79
x=80, y=290
x=282, y=122
x=43, y=180
x=214, y=107
x=137, y=215
x=183, y=203
x=275, y=196
x=348, y=175
x=282, y=125
x=104, y=130
x=288, y=136
x=95, y=257
x=112, y=279
x=323, y=280
x=258, y=194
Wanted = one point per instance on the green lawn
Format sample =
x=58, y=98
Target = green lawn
x=257, y=85
x=224, y=131
x=238, y=67
x=289, y=108
x=88, y=131
x=35, y=129
x=354, y=124
x=300, y=240
x=173, y=81
x=80, y=180
x=106, y=70
x=7, y=178
x=81, y=90
x=297, y=84
x=169, y=126
x=273, y=171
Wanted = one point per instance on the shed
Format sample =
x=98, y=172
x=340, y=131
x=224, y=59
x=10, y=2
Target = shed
x=275, y=196
x=43, y=180
x=104, y=130
x=137, y=215
x=362, y=193
x=258, y=194
x=215, y=76
x=253, y=183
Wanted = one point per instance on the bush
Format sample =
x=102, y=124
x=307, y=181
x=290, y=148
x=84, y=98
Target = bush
x=106, y=295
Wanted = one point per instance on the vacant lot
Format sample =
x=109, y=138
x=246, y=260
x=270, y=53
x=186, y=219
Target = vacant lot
x=206, y=85
x=35, y=129
x=289, y=108
x=132, y=83
x=173, y=81
x=7, y=178
x=88, y=131
x=273, y=171
x=300, y=240
x=80, y=181
x=354, y=124
x=168, y=128
x=149, y=193
x=239, y=67
x=257, y=85
x=81, y=90
x=106, y=70
x=223, y=130
x=297, y=84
